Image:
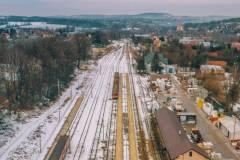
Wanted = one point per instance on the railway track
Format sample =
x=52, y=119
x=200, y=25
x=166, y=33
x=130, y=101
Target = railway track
x=65, y=128
x=87, y=94
x=91, y=112
x=111, y=130
x=85, y=130
x=125, y=120
x=104, y=139
x=144, y=151
x=126, y=139
x=132, y=124
x=151, y=148
x=119, y=128
x=146, y=119
x=100, y=127
x=110, y=134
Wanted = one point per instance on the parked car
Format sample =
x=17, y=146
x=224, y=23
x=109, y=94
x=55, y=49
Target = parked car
x=237, y=147
x=196, y=136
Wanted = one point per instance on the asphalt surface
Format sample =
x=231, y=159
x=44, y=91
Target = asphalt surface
x=207, y=129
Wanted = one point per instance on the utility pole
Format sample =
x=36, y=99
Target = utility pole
x=91, y=90
x=234, y=128
x=59, y=109
x=40, y=139
x=78, y=80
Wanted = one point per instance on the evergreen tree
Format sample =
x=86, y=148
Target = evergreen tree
x=155, y=66
x=141, y=64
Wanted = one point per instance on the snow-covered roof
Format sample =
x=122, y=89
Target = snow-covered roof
x=211, y=67
x=229, y=123
x=236, y=107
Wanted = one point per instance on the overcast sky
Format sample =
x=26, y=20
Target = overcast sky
x=76, y=7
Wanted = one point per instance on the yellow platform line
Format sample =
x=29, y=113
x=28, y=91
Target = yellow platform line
x=131, y=130
x=119, y=132
x=66, y=126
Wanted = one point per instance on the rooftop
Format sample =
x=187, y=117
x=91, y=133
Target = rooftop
x=218, y=63
x=173, y=135
x=211, y=67
x=229, y=122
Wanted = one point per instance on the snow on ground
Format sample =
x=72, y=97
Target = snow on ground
x=25, y=144
x=43, y=25
x=90, y=128
x=145, y=99
x=125, y=127
x=96, y=101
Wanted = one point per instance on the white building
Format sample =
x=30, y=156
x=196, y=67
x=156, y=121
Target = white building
x=206, y=44
x=180, y=28
x=230, y=127
x=169, y=69
x=208, y=69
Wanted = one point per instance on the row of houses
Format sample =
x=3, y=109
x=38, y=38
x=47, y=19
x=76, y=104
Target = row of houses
x=195, y=42
x=236, y=45
x=177, y=127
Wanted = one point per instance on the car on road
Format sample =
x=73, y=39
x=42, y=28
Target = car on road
x=196, y=136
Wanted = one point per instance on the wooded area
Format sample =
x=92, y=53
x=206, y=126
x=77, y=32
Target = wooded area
x=31, y=68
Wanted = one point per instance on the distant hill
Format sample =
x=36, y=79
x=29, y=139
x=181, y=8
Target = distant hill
x=153, y=15
x=164, y=18
x=52, y=20
x=215, y=22
x=148, y=15
x=138, y=20
x=233, y=20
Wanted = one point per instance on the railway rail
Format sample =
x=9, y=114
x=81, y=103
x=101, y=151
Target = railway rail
x=119, y=128
x=125, y=121
x=65, y=128
x=110, y=150
x=151, y=146
x=112, y=139
x=100, y=127
x=133, y=150
x=87, y=124
x=99, y=130
x=64, y=132
x=145, y=147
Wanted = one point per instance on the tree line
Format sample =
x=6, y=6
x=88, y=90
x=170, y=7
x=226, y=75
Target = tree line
x=32, y=68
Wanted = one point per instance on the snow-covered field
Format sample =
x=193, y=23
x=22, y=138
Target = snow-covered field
x=43, y=25
x=39, y=25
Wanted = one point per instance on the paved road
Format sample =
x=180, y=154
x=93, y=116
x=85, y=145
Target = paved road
x=208, y=131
